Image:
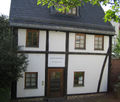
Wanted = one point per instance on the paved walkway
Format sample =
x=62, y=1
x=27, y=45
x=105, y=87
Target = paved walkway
x=83, y=98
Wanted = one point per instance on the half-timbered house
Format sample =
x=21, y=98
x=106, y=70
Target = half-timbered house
x=69, y=53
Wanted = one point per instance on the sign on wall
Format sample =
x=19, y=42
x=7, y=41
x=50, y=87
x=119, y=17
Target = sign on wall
x=56, y=60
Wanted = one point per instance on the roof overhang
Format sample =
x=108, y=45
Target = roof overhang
x=62, y=28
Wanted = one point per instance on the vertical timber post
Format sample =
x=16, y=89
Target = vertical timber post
x=109, y=64
x=66, y=64
x=46, y=61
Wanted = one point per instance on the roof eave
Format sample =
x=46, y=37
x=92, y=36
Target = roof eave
x=61, y=28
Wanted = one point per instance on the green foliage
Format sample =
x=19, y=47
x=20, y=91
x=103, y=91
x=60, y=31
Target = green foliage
x=11, y=63
x=117, y=88
x=4, y=94
x=116, y=49
x=61, y=5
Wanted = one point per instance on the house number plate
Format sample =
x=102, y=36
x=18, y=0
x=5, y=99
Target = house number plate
x=56, y=60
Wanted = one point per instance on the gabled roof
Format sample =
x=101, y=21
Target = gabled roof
x=26, y=14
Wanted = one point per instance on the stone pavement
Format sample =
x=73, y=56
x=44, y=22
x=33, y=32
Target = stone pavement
x=78, y=98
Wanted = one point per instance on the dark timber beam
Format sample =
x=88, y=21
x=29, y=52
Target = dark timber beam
x=66, y=64
x=109, y=64
x=46, y=61
x=102, y=70
x=60, y=52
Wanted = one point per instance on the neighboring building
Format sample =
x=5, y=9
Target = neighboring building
x=68, y=53
x=117, y=31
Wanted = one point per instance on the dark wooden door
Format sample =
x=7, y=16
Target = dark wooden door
x=55, y=82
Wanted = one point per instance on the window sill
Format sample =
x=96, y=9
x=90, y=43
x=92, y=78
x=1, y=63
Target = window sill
x=32, y=46
x=99, y=49
x=79, y=86
x=30, y=88
x=80, y=48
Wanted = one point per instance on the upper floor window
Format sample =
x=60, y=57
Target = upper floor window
x=32, y=38
x=99, y=42
x=72, y=11
x=78, y=79
x=80, y=40
x=31, y=79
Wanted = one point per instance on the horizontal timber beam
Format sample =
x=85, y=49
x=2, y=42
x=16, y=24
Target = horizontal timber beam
x=56, y=52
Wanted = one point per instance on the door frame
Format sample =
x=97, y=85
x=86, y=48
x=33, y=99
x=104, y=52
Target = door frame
x=48, y=81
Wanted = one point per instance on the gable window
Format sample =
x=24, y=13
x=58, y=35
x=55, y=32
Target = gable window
x=78, y=79
x=31, y=79
x=99, y=42
x=32, y=38
x=80, y=40
x=72, y=11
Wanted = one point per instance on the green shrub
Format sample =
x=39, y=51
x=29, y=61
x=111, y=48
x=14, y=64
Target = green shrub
x=117, y=88
x=4, y=95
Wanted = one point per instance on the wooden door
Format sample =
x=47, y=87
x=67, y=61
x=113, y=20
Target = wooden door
x=55, y=82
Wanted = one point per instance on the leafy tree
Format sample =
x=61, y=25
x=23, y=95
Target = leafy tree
x=11, y=64
x=61, y=5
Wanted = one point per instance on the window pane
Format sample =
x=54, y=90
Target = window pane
x=80, y=39
x=100, y=46
x=70, y=11
x=98, y=42
x=80, y=82
x=33, y=84
x=27, y=79
x=29, y=39
x=28, y=75
x=77, y=37
x=74, y=11
x=77, y=41
x=27, y=84
x=96, y=46
x=81, y=46
x=33, y=75
x=32, y=38
x=31, y=80
x=78, y=78
x=35, y=39
x=100, y=39
x=96, y=38
x=77, y=45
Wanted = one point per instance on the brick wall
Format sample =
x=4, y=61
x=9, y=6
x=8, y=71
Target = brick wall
x=115, y=71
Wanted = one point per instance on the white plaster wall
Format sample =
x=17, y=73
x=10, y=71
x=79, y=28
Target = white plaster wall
x=92, y=66
x=22, y=41
x=36, y=64
x=89, y=44
x=57, y=41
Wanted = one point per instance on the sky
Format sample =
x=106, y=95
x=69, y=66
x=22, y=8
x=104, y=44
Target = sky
x=5, y=7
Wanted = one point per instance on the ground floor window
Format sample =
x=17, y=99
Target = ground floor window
x=31, y=79
x=78, y=79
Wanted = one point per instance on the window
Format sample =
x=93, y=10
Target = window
x=32, y=38
x=72, y=11
x=80, y=40
x=99, y=42
x=31, y=79
x=78, y=79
